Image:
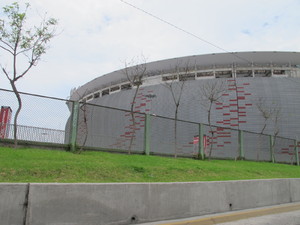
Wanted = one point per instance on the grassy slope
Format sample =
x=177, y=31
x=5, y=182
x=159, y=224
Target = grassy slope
x=33, y=165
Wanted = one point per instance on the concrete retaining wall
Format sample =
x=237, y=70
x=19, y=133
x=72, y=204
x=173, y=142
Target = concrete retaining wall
x=128, y=203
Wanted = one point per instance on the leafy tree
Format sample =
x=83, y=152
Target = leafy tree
x=23, y=44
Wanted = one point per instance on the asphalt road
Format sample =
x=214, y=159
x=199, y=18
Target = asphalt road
x=288, y=218
x=285, y=214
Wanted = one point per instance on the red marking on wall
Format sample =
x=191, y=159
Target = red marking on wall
x=224, y=132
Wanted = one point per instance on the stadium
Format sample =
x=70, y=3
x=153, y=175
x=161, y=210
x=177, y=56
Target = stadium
x=251, y=91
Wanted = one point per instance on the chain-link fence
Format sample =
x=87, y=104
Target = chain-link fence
x=41, y=119
x=88, y=126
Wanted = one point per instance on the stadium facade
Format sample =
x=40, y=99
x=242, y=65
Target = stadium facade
x=254, y=91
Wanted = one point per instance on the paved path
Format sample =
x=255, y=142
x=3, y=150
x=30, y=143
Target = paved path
x=285, y=214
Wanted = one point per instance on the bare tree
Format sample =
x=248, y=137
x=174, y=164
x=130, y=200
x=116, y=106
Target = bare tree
x=24, y=45
x=211, y=92
x=83, y=119
x=176, y=88
x=270, y=111
x=135, y=71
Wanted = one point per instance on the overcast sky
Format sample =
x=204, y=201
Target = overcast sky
x=97, y=36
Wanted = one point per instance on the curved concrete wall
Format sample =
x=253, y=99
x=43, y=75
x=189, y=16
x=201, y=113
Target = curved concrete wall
x=282, y=93
x=237, y=109
x=129, y=203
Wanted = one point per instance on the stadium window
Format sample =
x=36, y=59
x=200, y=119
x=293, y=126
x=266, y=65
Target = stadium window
x=126, y=86
x=105, y=92
x=244, y=73
x=279, y=72
x=224, y=74
x=189, y=76
x=115, y=88
x=137, y=83
x=97, y=95
x=89, y=98
x=262, y=73
x=205, y=74
x=171, y=77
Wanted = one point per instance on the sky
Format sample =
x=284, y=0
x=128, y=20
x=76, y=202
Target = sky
x=95, y=37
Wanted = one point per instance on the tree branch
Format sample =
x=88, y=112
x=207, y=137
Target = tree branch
x=6, y=49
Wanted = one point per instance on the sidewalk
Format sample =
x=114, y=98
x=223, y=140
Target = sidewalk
x=233, y=216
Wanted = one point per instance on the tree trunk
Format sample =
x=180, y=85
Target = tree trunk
x=211, y=131
x=175, y=132
x=133, y=119
x=12, y=82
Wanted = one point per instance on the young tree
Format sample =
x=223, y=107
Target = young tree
x=23, y=44
x=271, y=114
x=135, y=71
x=211, y=93
x=176, y=88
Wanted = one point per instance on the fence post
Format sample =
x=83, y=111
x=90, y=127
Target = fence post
x=147, y=133
x=241, y=145
x=296, y=151
x=272, y=148
x=200, y=143
x=74, y=126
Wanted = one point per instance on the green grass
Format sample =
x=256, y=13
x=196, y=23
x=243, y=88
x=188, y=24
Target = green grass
x=34, y=165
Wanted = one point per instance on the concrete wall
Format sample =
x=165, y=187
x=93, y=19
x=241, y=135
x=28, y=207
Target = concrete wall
x=129, y=203
x=105, y=128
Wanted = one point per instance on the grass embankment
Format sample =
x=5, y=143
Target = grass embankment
x=33, y=165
